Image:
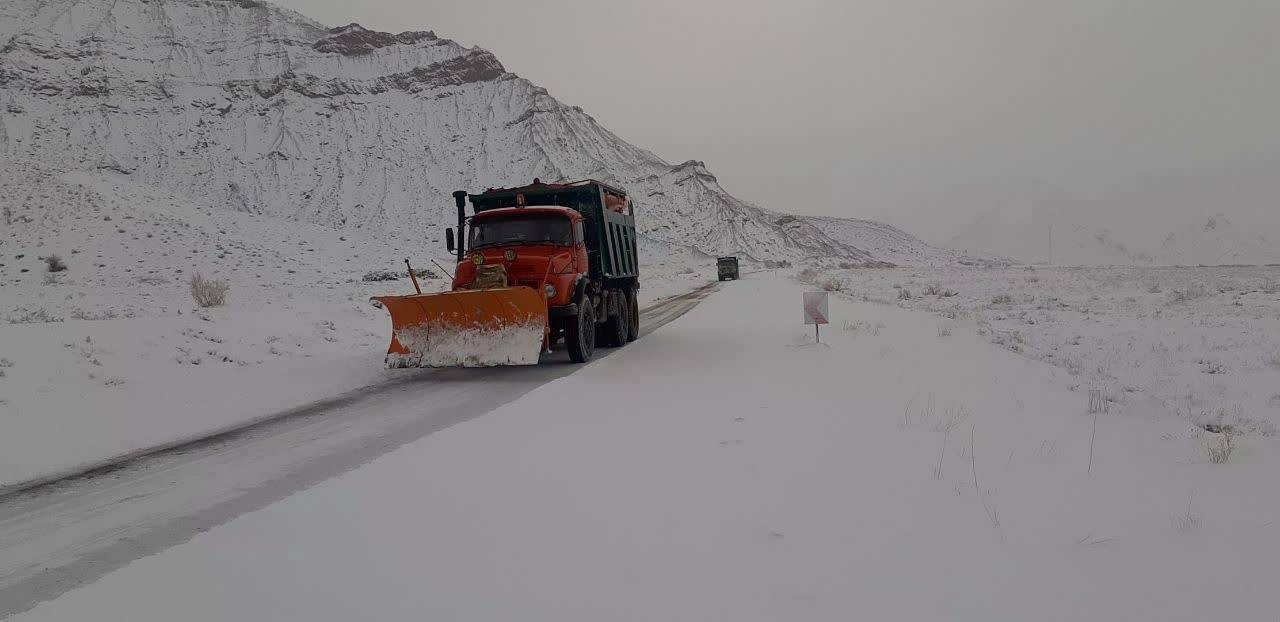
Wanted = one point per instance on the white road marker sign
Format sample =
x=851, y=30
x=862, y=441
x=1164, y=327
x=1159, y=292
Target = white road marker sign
x=815, y=311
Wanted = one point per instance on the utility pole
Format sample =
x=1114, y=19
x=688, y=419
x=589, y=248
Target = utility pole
x=1051, y=245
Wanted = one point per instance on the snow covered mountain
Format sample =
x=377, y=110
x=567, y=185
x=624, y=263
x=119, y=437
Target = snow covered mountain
x=1215, y=241
x=1076, y=238
x=1054, y=235
x=262, y=110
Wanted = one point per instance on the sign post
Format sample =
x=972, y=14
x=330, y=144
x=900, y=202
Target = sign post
x=815, y=311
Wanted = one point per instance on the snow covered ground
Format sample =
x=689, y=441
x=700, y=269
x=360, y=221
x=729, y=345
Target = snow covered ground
x=726, y=467
x=113, y=355
x=1198, y=344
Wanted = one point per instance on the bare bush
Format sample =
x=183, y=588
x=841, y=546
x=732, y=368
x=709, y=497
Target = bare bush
x=80, y=314
x=904, y=294
x=1271, y=286
x=208, y=293
x=808, y=275
x=54, y=263
x=834, y=285
x=1219, y=447
x=1191, y=292
x=1185, y=522
x=1099, y=401
x=1274, y=359
x=38, y=315
x=381, y=275
x=1212, y=367
x=1001, y=299
x=944, y=330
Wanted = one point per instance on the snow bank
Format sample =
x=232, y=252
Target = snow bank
x=1198, y=344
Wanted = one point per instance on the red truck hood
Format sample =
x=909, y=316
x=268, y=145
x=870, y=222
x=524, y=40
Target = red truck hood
x=530, y=263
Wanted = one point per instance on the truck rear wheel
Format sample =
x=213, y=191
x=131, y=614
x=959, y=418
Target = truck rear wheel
x=580, y=333
x=613, y=332
x=633, y=316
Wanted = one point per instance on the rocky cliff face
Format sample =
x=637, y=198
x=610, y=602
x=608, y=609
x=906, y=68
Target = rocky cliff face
x=266, y=111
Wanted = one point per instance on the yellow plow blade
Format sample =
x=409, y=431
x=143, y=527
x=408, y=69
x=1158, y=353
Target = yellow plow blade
x=477, y=328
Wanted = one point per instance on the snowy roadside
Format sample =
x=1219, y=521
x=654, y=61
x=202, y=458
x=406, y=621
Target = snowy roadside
x=1197, y=343
x=112, y=355
x=725, y=467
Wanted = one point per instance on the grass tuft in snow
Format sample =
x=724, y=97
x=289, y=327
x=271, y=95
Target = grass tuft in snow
x=1219, y=447
x=38, y=315
x=1188, y=521
x=1099, y=400
x=834, y=285
x=208, y=293
x=54, y=263
x=993, y=513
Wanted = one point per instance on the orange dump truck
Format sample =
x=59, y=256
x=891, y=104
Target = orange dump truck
x=535, y=265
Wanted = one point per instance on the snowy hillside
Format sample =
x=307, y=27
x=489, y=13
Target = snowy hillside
x=1080, y=236
x=1216, y=241
x=1032, y=235
x=262, y=110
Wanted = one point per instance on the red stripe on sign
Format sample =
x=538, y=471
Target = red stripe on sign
x=811, y=307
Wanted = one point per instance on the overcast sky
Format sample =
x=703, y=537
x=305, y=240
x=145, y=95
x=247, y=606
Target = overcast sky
x=935, y=107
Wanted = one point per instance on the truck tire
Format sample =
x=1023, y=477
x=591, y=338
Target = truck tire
x=580, y=333
x=613, y=332
x=633, y=316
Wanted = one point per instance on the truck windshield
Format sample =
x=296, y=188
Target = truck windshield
x=521, y=230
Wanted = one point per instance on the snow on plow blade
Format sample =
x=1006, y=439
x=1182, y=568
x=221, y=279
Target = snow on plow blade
x=480, y=328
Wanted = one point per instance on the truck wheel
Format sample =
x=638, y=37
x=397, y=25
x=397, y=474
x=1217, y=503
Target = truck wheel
x=580, y=333
x=633, y=316
x=613, y=332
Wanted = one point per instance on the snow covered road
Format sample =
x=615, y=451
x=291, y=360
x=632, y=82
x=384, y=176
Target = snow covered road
x=727, y=468
x=58, y=536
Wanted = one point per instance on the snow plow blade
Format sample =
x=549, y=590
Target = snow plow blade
x=479, y=328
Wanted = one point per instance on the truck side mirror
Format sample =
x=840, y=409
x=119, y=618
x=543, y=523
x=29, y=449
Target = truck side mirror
x=448, y=239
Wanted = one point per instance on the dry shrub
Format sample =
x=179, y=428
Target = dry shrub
x=834, y=285
x=1220, y=448
x=54, y=263
x=208, y=293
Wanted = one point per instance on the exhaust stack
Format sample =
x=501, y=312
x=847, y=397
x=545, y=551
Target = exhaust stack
x=460, y=199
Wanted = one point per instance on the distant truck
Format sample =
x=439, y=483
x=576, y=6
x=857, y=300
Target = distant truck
x=727, y=267
x=535, y=264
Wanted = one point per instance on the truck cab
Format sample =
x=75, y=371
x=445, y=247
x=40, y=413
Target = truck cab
x=575, y=243
x=539, y=247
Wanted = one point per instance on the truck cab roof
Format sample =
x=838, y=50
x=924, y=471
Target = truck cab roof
x=540, y=210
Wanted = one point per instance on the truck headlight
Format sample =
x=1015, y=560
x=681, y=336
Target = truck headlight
x=550, y=290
